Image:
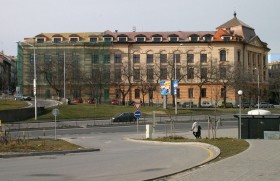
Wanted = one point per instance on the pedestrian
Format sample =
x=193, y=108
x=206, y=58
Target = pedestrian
x=198, y=133
x=194, y=129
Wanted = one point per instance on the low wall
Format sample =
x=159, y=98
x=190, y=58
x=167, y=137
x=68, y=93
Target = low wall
x=16, y=115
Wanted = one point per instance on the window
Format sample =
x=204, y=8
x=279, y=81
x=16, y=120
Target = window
x=106, y=59
x=150, y=58
x=190, y=57
x=190, y=73
x=122, y=39
x=176, y=57
x=140, y=39
x=173, y=39
x=136, y=58
x=47, y=58
x=163, y=73
x=163, y=58
x=137, y=93
x=73, y=40
x=136, y=74
x=76, y=59
x=157, y=39
x=238, y=55
x=57, y=40
x=32, y=59
x=208, y=38
x=226, y=38
x=40, y=40
x=95, y=59
x=118, y=75
x=203, y=92
x=193, y=38
x=118, y=58
x=106, y=75
x=203, y=57
x=93, y=39
x=264, y=61
x=223, y=55
x=150, y=74
x=190, y=93
x=203, y=73
x=223, y=72
x=108, y=39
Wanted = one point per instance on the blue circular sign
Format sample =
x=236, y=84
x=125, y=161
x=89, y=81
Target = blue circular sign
x=137, y=114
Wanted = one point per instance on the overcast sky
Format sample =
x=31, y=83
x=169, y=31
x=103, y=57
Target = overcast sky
x=28, y=18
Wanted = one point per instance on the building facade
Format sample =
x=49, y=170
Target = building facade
x=7, y=74
x=210, y=66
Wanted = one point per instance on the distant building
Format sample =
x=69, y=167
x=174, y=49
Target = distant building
x=7, y=74
x=210, y=66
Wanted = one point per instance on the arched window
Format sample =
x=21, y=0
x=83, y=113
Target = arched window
x=223, y=56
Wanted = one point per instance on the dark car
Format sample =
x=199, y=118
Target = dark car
x=124, y=117
x=77, y=100
x=265, y=105
x=115, y=102
x=90, y=101
x=188, y=104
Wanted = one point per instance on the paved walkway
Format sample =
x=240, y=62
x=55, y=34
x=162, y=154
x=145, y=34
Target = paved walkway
x=260, y=162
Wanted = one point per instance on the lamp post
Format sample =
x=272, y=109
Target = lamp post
x=35, y=77
x=64, y=72
x=175, y=72
x=240, y=92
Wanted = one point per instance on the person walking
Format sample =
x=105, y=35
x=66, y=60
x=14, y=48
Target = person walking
x=194, y=129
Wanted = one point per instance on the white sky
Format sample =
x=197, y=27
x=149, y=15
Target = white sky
x=28, y=18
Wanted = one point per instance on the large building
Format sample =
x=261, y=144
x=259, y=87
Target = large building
x=210, y=66
x=7, y=74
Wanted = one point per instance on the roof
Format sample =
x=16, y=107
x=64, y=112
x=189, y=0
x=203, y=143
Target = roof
x=234, y=22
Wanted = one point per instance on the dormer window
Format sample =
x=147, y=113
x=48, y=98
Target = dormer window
x=108, y=39
x=207, y=38
x=122, y=39
x=157, y=39
x=93, y=39
x=173, y=39
x=193, y=38
x=57, y=39
x=226, y=38
x=140, y=39
x=40, y=40
x=74, y=39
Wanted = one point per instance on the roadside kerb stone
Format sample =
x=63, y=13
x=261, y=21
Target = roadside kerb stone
x=64, y=152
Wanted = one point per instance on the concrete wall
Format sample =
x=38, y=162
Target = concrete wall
x=16, y=115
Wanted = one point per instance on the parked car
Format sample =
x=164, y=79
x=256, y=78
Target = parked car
x=188, y=104
x=77, y=100
x=22, y=98
x=265, y=105
x=247, y=105
x=124, y=117
x=115, y=102
x=90, y=101
x=206, y=104
x=228, y=105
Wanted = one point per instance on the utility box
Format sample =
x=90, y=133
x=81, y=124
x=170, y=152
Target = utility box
x=254, y=126
x=149, y=131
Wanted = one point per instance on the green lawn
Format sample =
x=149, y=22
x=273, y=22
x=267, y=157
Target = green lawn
x=6, y=104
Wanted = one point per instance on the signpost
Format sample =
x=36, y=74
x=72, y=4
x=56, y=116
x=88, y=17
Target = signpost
x=137, y=114
x=55, y=112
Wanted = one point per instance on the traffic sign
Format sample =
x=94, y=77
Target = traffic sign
x=137, y=105
x=55, y=112
x=137, y=114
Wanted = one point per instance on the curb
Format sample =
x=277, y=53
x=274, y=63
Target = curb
x=13, y=155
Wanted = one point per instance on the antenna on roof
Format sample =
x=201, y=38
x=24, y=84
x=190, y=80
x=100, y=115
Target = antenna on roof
x=234, y=14
x=134, y=28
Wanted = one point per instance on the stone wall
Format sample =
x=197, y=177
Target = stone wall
x=16, y=115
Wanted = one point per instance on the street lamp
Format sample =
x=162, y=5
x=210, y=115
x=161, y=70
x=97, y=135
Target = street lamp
x=35, y=77
x=240, y=92
x=175, y=72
